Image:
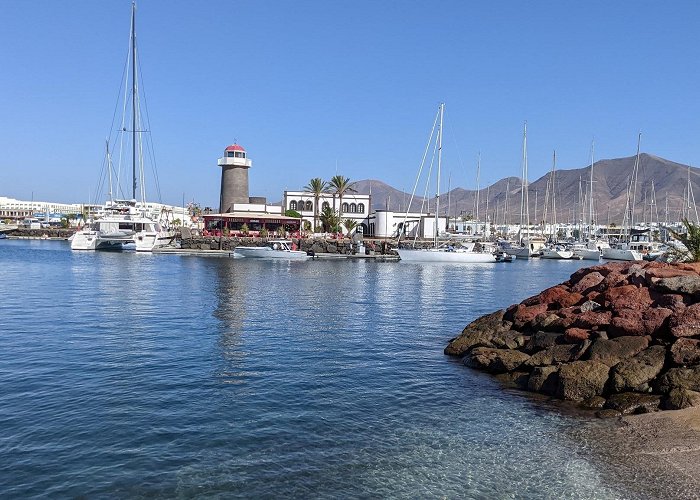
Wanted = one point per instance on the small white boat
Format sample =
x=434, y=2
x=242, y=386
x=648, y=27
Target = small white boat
x=557, y=252
x=274, y=249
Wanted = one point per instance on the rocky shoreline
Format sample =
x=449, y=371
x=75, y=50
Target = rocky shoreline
x=620, y=338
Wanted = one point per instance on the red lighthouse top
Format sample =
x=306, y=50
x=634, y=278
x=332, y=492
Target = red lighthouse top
x=235, y=147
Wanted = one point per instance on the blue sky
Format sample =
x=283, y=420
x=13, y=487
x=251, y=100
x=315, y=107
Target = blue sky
x=315, y=88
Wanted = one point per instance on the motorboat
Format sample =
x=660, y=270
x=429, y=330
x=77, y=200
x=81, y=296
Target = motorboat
x=636, y=248
x=273, y=249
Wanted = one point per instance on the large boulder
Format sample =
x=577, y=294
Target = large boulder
x=651, y=321
x=634, y=374
x=587, y=283
x=557, y=354
x=679, y=378
x=687, y=284
x=679, y=399
x=628, y=297
x=685, y=323
x=544, y=379
x=479, y=332
x=685, y=351
x=581, y=380
x=611, y=352
x=509, y=339
x=525, y=315
x=633, y=402
x=598, y=319
x=495, y=360
x=555, y=297
x=543, y=340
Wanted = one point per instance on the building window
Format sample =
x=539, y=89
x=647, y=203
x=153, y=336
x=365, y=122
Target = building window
x=229, y=154
x=292, y=205
x=361, y=208
x=345, y=207
x=325, y=205
x=353, y=208
x=240, y=154
x=301, y=205
x=309, y=206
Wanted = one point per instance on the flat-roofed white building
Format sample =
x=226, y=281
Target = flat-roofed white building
x=354, y=206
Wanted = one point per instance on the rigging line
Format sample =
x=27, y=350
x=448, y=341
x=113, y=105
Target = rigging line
x=150, y=147
x=415, y=185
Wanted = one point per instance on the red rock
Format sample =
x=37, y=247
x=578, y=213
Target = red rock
x=628, y=323
x=686, y=351
x=591, y=319
x=655, y=320
x=674, y=301
x=628, y=297
x=588, y=282
x=614, y=279
x=576, y=335
x=685, y=323
x=525, y=315
x=690, y=266
x=603, y=269
x=666, y=272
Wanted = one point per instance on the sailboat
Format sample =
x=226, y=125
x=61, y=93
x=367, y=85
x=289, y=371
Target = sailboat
x=635, y=245
x=472, y=252
x=590, y=249
x=126, y=222
x=528, y=245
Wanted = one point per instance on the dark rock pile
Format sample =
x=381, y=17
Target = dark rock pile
x=620, y=338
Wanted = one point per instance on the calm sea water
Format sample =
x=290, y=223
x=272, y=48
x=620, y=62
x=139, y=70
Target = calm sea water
x=129, y=375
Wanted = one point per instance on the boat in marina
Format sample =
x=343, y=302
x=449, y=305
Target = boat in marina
x=557, y=252
x=126, y=223
x=445, y=251
x=590, y=250
x=273, y=249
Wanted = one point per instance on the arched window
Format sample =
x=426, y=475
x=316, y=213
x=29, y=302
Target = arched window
x=300, y=205
x=292, y=205
x=361, y=208
x=353, y=208
x=309, y=206
x=325, y=205
x=345, y=207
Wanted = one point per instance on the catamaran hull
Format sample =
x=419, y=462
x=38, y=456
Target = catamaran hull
x=548, y=253
x=147, y=241
x=456, y=256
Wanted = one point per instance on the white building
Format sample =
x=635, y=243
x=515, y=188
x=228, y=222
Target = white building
x=354, y=206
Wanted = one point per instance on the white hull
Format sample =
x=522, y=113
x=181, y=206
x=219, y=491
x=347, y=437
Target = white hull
x=522, y=252
x=552, y=253
x=269, y=253
x=587, y=254
x=621, y=254
x=442, y=255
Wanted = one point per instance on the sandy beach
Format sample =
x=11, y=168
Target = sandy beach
x=655, y=455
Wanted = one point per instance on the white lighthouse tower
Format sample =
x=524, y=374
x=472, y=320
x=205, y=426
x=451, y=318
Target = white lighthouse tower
x=234, y=177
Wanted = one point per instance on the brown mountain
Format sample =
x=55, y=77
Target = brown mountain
x=660, y=182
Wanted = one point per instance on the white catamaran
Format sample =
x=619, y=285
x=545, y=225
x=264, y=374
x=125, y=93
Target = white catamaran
x=126, y=222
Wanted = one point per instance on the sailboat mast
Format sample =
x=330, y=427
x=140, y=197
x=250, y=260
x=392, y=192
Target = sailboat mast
x=524, y=201
x=590, y=190
x=635, y=173
x=133, y=98
x=478, y=171
x=437, y=195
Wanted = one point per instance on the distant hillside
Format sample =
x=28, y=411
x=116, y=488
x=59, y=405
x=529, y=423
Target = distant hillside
x=610, y=180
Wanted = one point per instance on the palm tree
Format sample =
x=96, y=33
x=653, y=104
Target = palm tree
x=690, y=240
x=341, y=185
x=350, y=224
x=317, y=186
x=330, y=220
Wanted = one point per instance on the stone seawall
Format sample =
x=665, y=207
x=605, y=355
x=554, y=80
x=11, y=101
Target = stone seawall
x=53, y=232
x=619, y=338
x=315, y=245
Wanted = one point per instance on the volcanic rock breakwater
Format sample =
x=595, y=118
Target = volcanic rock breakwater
x=619, y=338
